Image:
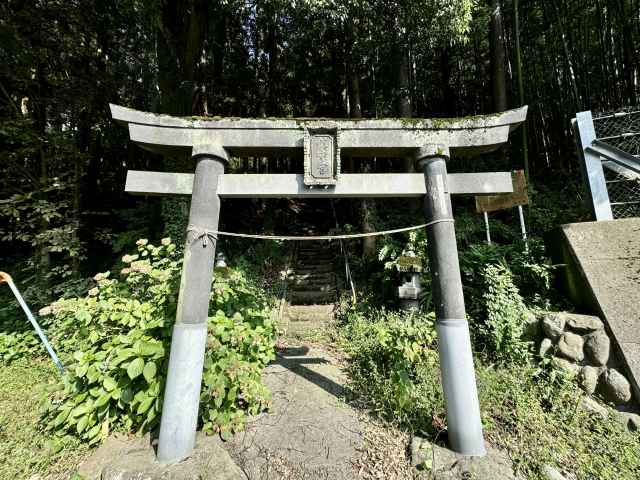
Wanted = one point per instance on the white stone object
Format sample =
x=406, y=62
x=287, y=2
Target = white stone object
x=597, y=348
x=615, y=387
x=570, y=346
x=553, y=325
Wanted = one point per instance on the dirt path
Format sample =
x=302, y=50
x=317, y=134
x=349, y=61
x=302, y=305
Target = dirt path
x=311, y=431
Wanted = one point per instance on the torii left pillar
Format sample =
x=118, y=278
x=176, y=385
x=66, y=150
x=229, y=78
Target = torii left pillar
x=182, y=392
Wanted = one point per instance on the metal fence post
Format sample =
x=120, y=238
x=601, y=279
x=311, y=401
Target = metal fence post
x=184, y=378
x=592, y=166
x=454, y=343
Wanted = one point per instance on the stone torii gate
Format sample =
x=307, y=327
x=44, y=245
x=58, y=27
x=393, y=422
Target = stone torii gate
x=323, y=142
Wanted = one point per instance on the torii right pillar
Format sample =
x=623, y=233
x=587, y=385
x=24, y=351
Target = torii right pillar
x=454, y=343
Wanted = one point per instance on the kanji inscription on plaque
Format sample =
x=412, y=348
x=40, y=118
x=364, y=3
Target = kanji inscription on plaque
x=321, y=157
x=322, y=153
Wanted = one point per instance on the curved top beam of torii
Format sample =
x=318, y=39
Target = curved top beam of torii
x=357, y=137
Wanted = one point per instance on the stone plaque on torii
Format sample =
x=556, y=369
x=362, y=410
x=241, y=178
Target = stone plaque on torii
x=323, y=143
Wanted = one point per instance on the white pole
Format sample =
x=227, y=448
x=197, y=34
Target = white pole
x=5, y=277
x=486, y=226
x=454, y=345
x=523, y=228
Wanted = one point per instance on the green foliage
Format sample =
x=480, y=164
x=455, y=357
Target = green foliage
x=120, y=336
x=506, y=314
x=534, y=415
x=529, y=412
x=531, y=271
x=391, y=355
x=18, y=344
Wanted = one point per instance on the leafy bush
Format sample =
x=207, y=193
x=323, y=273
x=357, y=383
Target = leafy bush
x=535, y=416
x=16, y=344
x=120, y=336
x=529, y=412
x=391, y=354
x=506, y=314
x=531, y=270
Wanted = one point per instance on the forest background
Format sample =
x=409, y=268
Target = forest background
x=63, y=162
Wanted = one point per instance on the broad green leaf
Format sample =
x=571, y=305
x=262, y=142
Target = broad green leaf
x=104, y=398
x=135, y=368
x=79, y=410
x=61, y=417
x=82, y=423
x=149, y=371
x=109, y=384
x=144, y=406
x=126, y=396
x=93, y=431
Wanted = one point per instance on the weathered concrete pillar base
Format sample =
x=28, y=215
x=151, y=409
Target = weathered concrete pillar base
x=123, y=457
x=182, y=393
x=463, y=410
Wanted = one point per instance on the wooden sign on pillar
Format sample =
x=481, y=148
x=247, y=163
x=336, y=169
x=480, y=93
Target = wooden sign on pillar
x=503, y=201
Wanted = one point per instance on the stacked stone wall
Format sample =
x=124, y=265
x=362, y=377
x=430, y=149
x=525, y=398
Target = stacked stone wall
x=580, y=345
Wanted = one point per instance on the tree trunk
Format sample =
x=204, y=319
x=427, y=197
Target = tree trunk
x=43, y=256
x=403, y=100
x=403, y=84
x=525, y=146
x=498, y=58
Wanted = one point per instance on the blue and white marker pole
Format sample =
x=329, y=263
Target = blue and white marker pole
x=6, y=278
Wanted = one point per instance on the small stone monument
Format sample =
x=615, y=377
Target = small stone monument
x=410, y=267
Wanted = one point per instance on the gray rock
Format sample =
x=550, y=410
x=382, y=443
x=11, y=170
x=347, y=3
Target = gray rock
x=593, y=407
x=589, y=377
x=597, y=348
x=553, y=325
x=630, y=420
x=532, y=328
x=133, y=458
x=443, y=463
x=545, y=346
x=615, y=388
x=551, y=473
x=565, y=365
x=582, y=323
x=570, y=346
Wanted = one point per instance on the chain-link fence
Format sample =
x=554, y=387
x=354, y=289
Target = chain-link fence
x=622, y=130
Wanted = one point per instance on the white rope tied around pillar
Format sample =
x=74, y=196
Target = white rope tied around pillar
x=202, y=233
x=213, y=234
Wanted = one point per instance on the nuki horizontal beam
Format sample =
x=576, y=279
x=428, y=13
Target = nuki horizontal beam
x=367, y=185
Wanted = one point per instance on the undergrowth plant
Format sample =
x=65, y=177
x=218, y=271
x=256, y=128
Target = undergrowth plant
x=532, y=413
x=116, y=341
x=391, y=352
x=506, y=315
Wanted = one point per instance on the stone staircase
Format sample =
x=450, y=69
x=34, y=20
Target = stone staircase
x=313, y=280
x=312, y=289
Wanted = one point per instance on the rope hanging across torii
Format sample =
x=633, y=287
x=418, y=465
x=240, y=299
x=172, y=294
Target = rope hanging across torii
x=202, y=233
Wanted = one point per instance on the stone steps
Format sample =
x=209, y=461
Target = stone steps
x=307, y=312
x=313, y=297
x=302, y=279
x=313, y=269
x=316, y=257
x=312, y=280
x=303, y=319
x=315, y=287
